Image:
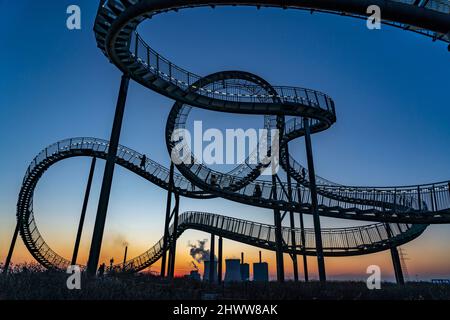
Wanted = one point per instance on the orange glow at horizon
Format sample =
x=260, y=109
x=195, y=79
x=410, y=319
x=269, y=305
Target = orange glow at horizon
x=337, y=268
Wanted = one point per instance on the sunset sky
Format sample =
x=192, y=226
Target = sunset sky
x=390, y=88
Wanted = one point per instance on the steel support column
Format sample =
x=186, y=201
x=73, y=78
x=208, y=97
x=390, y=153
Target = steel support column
x=278, y=234
x=292, y=220
x=220, y=261
x=173, y=245
x=294, y=246
x=314, y=203
x=83, y=212
x=212, y=258
x=303, y=239
x=395, y=259
x=11, y=248
x=167, y=221
x=397, y=266
x=102, y=209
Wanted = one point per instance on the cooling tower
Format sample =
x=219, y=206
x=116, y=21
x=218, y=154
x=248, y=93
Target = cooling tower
x=245, y=272
x=245, y=269
x=233, y=270
x=206, y=271
x=261, y=271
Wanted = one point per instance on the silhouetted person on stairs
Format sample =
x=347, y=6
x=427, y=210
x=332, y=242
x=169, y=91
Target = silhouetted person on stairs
x=257, y=192
x=303, y=173
x=143, y=161
x=213, y=180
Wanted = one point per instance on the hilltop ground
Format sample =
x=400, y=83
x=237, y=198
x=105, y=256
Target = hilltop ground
x=34, y=283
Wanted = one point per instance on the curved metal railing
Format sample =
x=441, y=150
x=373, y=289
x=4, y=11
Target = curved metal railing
x=158, y=65
x=234, y=229
x=336, y=241
x=115, y=33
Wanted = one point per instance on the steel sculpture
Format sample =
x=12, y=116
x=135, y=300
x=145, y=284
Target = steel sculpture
x=400, y=214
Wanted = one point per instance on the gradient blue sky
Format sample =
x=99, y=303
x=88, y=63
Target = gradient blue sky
x=391, y=90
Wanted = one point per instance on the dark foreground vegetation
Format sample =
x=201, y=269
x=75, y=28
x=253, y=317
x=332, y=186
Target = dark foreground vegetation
x=33, y=283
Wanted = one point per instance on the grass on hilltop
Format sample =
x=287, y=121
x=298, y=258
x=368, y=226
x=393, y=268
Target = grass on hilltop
x=32, y=282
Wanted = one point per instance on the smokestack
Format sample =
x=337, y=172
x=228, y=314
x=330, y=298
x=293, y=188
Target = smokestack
x=242, y=258
x=260, y=257
x=125, y=256
x=213, y=263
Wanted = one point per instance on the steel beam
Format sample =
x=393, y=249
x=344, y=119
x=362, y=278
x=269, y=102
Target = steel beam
x=278, y=225
x=83, y=212
x=167, y=221
x=173, y=245
x=278, y=235
x=291, y=218
x=102, y=209
x=279, y=246
x=212, y=258
x=11, y=248
x=395, y=259
x=220, y=261
x=397, y=266
x=303, y=239
x=314, y=203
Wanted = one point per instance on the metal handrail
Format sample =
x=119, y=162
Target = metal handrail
x=163, y=67
x=73, y=146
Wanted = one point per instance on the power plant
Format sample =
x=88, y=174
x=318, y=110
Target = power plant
x=194, y=274
x=206, y=265
x=236, y=270
x=233, y=270
x=245, y=269
x=260, y=270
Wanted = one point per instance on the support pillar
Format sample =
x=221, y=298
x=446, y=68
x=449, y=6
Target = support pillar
x=102, y=209
x=395, y=259
x=277, y=216
x=292, y=220
x=397, y=266
x=279, y=246
x=314, y=203
x=173, y=246
x=11, y=248
x=294, y=246
x=278, y=234
x=83, y=212
x=220, y=261
x=211, y=258
x=167, y=221
x=303, y=239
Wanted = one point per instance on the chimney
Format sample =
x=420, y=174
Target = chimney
x=125, y=256
x=260, y=257
x=242, y=258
